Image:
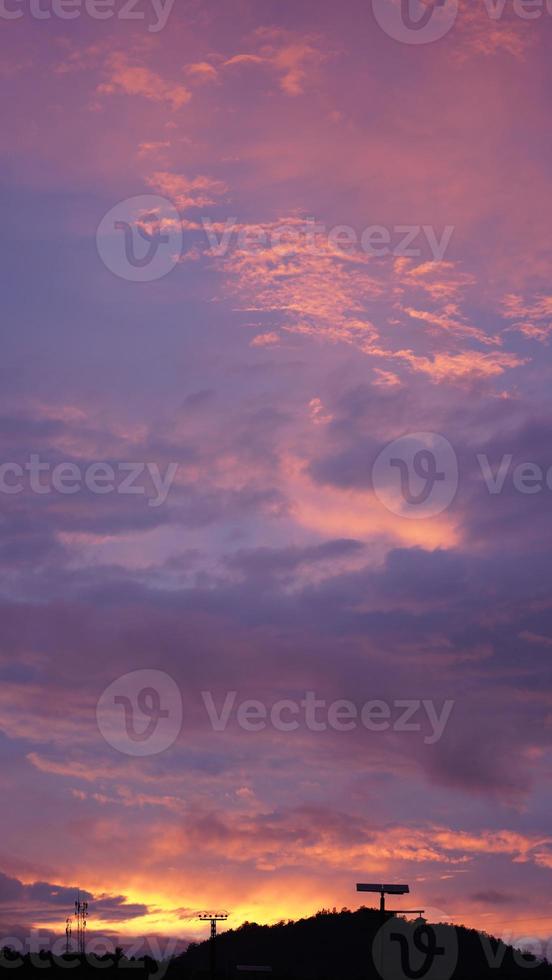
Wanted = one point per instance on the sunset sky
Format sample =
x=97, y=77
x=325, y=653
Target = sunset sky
x=271, y=378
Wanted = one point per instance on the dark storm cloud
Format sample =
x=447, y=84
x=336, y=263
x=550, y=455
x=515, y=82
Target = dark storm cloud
x=35, y=899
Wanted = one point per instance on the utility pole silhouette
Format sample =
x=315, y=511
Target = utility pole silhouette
x=213, y=918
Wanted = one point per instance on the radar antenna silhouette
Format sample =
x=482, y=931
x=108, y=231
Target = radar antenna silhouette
x=383, y=890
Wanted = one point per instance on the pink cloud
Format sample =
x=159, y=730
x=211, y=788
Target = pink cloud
x=138, y=80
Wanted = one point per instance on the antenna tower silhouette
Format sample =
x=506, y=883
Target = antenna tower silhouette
x=213, y=918
x=81, y=915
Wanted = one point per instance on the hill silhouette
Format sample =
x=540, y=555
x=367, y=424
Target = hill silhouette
x=330, y=945
x=348, y=945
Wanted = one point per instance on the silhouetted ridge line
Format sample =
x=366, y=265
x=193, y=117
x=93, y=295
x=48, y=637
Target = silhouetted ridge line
x=330, y=945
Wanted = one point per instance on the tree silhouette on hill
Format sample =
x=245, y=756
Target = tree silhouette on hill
x=355, y=945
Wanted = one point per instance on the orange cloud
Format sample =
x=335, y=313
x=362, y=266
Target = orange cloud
x=265, y=340
x=197, y=192
x=138, y=80
x=386, y=379
x=332, y=511
x=451, y=321
x=465, y=366
x=202, y=71
x=293, y=59
x=532, y=319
